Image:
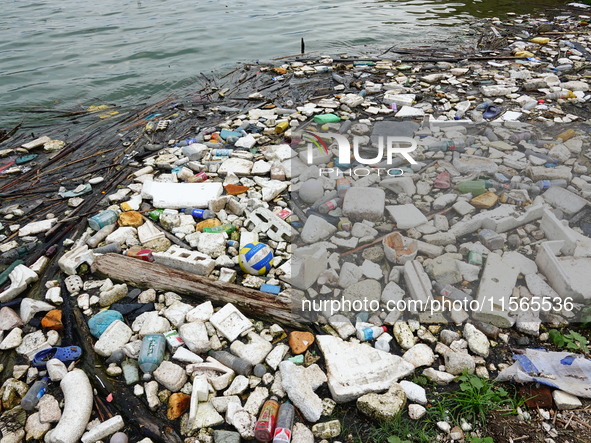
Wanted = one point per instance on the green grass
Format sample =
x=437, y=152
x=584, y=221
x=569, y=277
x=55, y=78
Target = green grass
x=571, y=341
x=402, y=429
x=476, y=398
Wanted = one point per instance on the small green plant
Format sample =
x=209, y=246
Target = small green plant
x=476, y=398
x=401, y=429
x=480, y=440
x=572, y=341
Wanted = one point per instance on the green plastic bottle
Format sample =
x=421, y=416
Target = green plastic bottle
x=226, y=227
x=326, y=118
x=474, y=187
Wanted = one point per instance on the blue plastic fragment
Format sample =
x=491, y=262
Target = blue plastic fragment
x=271, y=289
x=101, y=321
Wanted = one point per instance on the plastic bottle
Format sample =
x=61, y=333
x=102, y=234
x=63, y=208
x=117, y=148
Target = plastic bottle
x=343, y=185
x=237, y=364
x=102, y=219
x=490, y=134
x=566, y=135
x=451, y=292
x=140, y=253
x=16, y=253
x=198, y=178
x=545, y=184
x=529, y=152
x=221, y=152
x=187, y=142
x=285, y=418
x=516, y=138
x=370, y=333
x=475, y=187
x=226, y=227
x=265, y=426
x=34, y=394
x=151, y=352
x=155, y=214
x=562, y=94
x=328, y=206
x=446, y=145
x=199, y=213
x=443, y=180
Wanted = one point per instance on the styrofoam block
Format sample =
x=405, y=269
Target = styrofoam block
x=181, y=195
x=569, y=276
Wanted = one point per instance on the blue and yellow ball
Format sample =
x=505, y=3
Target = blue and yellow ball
x=256, y=258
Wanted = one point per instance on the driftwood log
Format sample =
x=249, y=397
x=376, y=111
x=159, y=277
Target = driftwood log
x=163, y=278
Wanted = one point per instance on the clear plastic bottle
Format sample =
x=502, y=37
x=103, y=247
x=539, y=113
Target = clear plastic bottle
x=34, y=394
x=561, y=94
x=285, y=418
x=265, y=425
x=451, y=292
x=151, y=352
x=199, y=213
x=370, y=333
x=545, y=184
x=237, y=364
x=475, y=187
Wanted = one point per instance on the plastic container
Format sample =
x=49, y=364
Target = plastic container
x=203, y=214
x=102, y=219
x=237, y=364
x=265, y=425
x=284, y=425
x=226, y=227
x=34, y=394
x=366, y=334
x=474, y=187
x=151, y=352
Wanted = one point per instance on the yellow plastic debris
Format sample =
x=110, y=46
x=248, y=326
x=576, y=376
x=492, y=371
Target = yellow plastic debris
x=94, y=108
x=523, y=54
x=540, y=40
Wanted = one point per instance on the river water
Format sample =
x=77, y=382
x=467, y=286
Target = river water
x=72, y=54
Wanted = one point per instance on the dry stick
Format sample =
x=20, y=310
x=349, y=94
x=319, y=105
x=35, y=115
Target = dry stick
x=79, y=160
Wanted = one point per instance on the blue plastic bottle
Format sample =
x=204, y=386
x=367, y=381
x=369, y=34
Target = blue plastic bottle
x=152, y=352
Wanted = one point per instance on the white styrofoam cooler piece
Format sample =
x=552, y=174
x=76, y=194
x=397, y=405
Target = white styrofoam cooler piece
x=181, y=195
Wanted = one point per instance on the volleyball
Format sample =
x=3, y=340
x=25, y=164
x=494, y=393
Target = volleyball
x=256, y=258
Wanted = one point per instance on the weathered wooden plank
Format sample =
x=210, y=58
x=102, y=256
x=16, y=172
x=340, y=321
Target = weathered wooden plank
x=163, y=278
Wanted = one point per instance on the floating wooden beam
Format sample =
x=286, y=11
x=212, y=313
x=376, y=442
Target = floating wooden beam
x=143, y=274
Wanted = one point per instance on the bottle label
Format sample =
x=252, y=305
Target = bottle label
x=368, y=333
x=198, y=213
x=282, y=435
x=41, y=392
